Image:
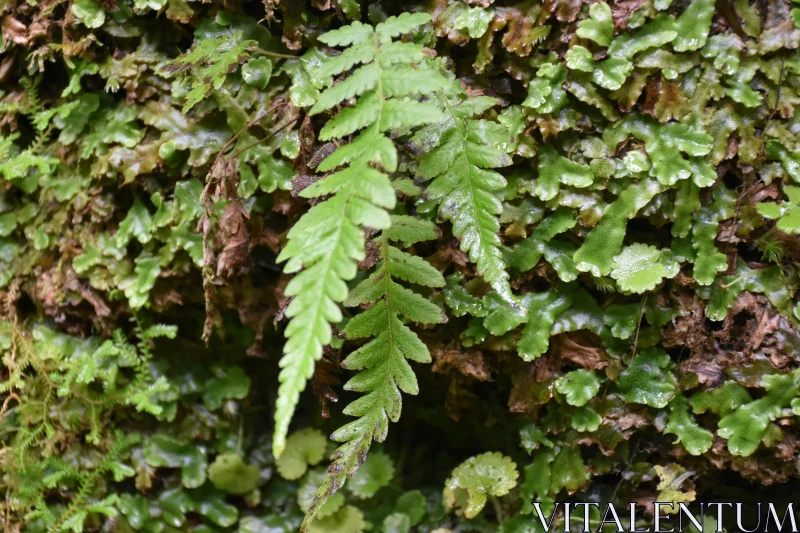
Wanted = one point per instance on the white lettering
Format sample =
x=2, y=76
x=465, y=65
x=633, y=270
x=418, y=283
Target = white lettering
x=610, y=507
x=549, y=524
x=719, y=513
x=789, y=511
x=658, y=517
x=739, y=518
x=682, y=509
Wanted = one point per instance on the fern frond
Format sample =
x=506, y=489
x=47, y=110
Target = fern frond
x=16, y=164
x=211, y=60
x=7, y=145
x=382, y=363
x=325, y=245
x=33, y=104
x=461, y=166
x=160, y=331
x=10, y=108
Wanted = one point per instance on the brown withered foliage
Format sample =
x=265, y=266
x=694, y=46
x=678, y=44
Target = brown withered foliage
x=580, y=348
x=326, y=379
x=226, y=241
x=470, y=363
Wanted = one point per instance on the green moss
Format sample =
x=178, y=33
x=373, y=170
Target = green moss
x=583, y=215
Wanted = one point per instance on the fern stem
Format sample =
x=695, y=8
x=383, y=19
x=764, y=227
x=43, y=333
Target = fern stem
x=387, y=279
x=41, y=137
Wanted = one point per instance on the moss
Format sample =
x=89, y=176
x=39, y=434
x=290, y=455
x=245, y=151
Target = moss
x=217, y=220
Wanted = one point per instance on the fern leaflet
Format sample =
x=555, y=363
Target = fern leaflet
x=466, y=151
x=328, y=241
x=17, y=164
x=211, y=60
x=383, y=369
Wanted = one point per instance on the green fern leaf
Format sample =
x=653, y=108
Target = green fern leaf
x=326, y=244
x=362, y=80
x=397, y=26
x=464, y=182
x=355, y=33
x=382, y=362
x=17, y=165
x=210, y=60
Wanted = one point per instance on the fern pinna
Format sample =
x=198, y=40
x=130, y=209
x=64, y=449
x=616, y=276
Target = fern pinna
x=325, y=245
x=383, y=369
x=465, y=151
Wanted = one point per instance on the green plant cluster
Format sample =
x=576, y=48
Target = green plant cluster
x=563, y=233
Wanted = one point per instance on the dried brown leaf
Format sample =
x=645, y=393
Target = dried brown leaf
x=232, y=237
x=15, y=31
x=582, y=348
x=470, y=363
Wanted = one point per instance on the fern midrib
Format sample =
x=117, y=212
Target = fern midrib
x=379, y=91
x=384, y=248
x=387, y=280
x=475, y=210
x=379, y=88
x=486, y=248
x=297, y=380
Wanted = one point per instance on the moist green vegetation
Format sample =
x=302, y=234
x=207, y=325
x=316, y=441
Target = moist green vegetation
x=563, y=233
